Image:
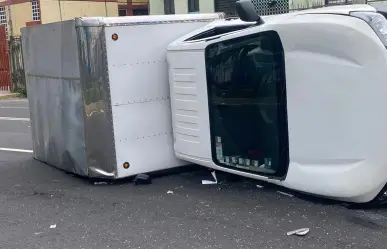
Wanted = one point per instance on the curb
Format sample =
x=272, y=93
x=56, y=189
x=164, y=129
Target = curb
x=10, y=96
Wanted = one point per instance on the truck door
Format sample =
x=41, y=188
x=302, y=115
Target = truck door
x=246, y=86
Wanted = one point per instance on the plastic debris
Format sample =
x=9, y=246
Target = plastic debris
x=213, y=173
x=299, y=232
x=259, y=186
x=53, y=226
x=170, y=192
x=284, y=193
x=142, y=179
x=100, y=183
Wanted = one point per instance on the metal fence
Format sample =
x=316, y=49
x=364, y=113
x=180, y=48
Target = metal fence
x=275, y=7
x=5, y=83
x=17, y=67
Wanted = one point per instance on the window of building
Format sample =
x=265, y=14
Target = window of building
x=35, y=10
x=122, y=12
x=169, y=7
x=3, y=20
x=3, y=16
x=140, y=12
x=193, y=6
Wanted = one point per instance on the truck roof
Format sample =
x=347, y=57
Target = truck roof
x=225, y=24
x=338, y=9
x=138, y=20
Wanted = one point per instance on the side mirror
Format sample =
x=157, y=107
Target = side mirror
x=247, y=12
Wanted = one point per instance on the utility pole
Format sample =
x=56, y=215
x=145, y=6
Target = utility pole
x=10, y=27
x=60, y=10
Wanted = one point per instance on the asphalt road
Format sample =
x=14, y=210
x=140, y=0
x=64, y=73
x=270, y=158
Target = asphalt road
x=232, y=214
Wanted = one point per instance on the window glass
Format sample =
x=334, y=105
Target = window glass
x=169, y=7
x=3, y=16
x=140, y=12
x=35, y=10
x=247, y=103
x=122, y=12
x=193, y=6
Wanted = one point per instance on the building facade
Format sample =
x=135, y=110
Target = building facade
x=161, y=7
x=15, y=14
x=264, y=7
x=133, y=7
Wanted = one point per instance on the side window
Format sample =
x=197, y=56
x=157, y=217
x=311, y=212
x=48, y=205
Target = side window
x=247, y=103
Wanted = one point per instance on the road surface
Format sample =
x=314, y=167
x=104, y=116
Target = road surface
x=230, y=215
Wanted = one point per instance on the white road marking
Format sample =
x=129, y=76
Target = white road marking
x=14, y=100
x=13, y=107
x=14, y=119
x=16, y=150
x=283, y=193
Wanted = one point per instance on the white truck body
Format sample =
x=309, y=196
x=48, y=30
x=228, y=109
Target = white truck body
x=331, y=92
x=99, y=103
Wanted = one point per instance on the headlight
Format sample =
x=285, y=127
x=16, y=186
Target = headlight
x=377, y=22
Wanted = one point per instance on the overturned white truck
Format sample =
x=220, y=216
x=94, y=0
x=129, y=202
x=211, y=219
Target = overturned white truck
x=99, y=94
x=298, y=99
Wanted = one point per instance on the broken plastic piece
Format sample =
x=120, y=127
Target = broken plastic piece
x=213, y=173
x=299, y=232
x=170, y=192
x=53, y=226
x=100, y=183
x=142, y=179
x=284, y=193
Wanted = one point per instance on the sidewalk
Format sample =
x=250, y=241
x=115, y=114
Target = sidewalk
x=8, y=95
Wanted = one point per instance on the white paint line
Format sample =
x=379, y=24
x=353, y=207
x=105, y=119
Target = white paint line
x=13, y=107
x=14, y=119
x=16, y=150
x=283, y=193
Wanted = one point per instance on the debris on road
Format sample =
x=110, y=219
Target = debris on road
x=53, y=226
x=205, y=182
x=284, y=193
x=100, y=183
x=142, y=179
x=299, y=232
x=259, y=186
x=170, y=192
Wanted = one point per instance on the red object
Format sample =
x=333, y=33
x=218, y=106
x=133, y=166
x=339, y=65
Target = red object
x=129, y=7
x=5, y=73
x=33, y=23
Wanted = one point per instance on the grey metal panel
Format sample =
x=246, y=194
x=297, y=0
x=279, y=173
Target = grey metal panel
x=55, y=95
x=99, y=135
